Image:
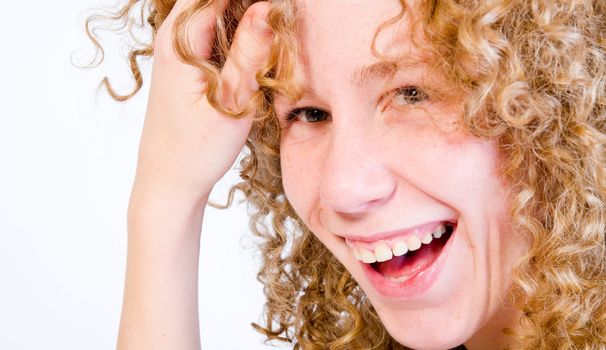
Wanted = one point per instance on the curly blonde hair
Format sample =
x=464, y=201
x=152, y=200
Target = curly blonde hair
x=534, y=73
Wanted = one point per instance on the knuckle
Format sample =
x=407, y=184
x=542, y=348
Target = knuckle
x=253, y=11
x=249, y=49
x=246, y=55
x=193, y=38
x=257, y=9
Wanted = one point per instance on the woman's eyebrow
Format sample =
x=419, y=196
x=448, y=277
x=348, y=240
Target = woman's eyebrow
x=380, y=70
x=361, y=76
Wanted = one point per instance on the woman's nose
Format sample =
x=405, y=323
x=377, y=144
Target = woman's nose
x=356, y=177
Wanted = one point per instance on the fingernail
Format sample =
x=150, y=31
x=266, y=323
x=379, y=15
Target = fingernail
x=261, y=26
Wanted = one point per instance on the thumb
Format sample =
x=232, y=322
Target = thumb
x=249, y=52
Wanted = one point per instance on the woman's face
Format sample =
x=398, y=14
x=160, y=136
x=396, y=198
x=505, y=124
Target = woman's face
x=367, y=168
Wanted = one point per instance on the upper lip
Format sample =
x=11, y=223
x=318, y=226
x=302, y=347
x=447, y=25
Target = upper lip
x=426, y=227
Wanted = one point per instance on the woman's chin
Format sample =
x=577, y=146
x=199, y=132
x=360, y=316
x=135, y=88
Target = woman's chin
x=434, y=334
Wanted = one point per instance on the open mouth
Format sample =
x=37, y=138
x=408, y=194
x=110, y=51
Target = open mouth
x=400, y=258
x=400, y=268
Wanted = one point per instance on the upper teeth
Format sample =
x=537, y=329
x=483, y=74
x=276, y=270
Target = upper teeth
x=381, y=251
x=367, y=256
x=413, y=243
x=439, y=231
x=400, y=248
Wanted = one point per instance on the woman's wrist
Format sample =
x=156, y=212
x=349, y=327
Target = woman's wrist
x=155, y=207
x=160, y=198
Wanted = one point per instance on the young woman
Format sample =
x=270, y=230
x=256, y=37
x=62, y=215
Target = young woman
x=425, y=174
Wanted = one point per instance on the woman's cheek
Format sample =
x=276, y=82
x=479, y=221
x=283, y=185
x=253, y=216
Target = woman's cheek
x=300, y=172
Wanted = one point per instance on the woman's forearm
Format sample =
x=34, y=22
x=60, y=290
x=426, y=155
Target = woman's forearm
x=160, y=309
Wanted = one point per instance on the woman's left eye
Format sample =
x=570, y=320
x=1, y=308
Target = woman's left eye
x=306, y=114
x=409, y=95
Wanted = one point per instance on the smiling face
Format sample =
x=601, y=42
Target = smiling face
x=414, y=208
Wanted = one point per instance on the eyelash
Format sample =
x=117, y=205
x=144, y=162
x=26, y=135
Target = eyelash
x=412, y=95
x=295, y=113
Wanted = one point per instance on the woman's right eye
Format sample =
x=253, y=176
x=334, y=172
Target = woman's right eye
x=308, y=115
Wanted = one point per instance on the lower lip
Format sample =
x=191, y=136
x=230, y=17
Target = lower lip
x=416, y=284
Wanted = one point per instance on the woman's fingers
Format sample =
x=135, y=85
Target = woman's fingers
x=248, y=54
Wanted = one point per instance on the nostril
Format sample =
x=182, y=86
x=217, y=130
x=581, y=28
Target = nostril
x=358, y=193
x=379, y=201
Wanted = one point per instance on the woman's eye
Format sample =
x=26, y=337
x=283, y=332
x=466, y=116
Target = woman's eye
x=409, y=95
x=309, y=115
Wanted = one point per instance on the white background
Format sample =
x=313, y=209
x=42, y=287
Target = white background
x=67, y=160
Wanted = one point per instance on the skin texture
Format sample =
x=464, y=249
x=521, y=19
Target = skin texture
x=367, y=166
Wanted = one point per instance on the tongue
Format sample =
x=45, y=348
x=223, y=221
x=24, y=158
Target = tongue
x=411, y=262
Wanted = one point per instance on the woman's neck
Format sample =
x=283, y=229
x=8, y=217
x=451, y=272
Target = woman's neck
x=492, y=335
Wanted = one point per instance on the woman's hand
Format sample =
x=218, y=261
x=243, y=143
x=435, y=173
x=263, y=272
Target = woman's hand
x=186, y=147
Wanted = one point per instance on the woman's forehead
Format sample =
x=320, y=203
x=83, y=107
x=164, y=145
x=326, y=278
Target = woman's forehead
x=350, y=26
x=336, y=41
